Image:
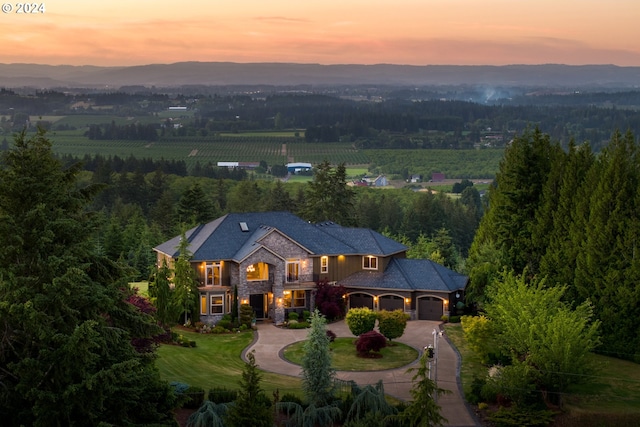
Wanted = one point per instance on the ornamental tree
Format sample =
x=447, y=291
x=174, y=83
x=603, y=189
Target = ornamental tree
x=392, y=323
x=361, y=320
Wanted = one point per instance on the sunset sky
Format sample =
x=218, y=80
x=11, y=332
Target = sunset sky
x=419, y=32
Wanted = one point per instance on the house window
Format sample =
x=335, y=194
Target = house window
x=212, y=274
x=293, y=270
x=203, y=304
x=217, y=304
x=369, y=262
x=229, y=302
x=258, y=271
x=324, y=264
x=294, y=299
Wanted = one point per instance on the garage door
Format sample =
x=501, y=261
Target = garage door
x=391, y=302
x=429, y=308
x=360, y=300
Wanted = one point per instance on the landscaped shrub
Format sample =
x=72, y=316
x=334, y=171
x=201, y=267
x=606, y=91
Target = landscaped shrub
x=516, y=416
x=306, y=314
x=361, y=320
x=218, y=330
x=444, y=318
x=246, y=315
x=370, y=341
x=392, y=323
x=225, y=323
x=298, y=325
x=222, y=395
x=293, y=316
x=454, y=319
x=194, y=396
x=331, y=335
x=289, y=397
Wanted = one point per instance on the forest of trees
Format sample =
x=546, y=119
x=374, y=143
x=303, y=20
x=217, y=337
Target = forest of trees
x=570, y=217
x=398, y=121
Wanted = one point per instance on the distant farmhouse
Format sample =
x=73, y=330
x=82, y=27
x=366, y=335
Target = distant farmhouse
x=379, y=181
x=238, y=165
x=415, y=178
x=273, y=261
x=298, y=167
x=178, y=108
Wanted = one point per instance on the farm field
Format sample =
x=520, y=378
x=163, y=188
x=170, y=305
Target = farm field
x=280, y=148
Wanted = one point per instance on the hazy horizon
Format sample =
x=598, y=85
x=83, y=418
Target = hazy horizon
x=399, y=32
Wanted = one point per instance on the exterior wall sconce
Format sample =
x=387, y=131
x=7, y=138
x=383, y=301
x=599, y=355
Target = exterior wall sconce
x=244, y=301
x=407, y=300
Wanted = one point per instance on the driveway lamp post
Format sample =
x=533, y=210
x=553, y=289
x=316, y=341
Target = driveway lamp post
x=435, y=363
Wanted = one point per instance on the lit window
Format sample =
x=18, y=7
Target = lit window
x=293, y=270
x=203, y=304
x=258, y=271
x=370, y=262
x=324, y=264
x=216, y=304
x=212, y=274
x=294, y=299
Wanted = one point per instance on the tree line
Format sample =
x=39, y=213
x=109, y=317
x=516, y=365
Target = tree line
x=569, y=216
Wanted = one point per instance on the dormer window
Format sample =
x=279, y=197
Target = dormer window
x=369, y=262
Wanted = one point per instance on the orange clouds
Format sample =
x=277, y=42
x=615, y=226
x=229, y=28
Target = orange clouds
x=352, y=31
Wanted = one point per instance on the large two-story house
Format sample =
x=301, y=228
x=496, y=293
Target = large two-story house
x=275, y=259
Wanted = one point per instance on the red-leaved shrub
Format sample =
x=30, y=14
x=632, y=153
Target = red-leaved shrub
x=370, y=341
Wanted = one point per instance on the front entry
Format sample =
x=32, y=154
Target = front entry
x=259, y=304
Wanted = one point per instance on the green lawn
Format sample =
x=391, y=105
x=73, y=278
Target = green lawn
x=345, y=357
x=615, y=390
x=216, y=362
x=143, y=287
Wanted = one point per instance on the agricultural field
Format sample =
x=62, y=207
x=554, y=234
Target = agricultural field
x=278, y=147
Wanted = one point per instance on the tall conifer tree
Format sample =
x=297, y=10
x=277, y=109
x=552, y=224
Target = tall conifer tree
x=66, y=356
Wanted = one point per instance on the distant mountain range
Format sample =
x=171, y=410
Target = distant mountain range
x=285, y=74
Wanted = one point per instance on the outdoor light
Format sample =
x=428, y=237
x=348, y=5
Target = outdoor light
x=457, y=294
x=407, y=300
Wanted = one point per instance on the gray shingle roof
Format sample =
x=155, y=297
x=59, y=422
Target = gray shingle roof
x=223, y=238
x=407, y=275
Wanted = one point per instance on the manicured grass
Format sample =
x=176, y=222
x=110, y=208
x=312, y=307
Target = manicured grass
x=345, y=357
x=471, y=365
x=216, y=362
x=143, y=287
x=616, y=389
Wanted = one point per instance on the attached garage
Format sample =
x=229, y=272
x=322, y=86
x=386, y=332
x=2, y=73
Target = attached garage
x=391, y=302
x=360, y=300
x=429, y=308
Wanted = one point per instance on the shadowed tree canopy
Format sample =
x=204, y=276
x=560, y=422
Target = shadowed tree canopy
x=66, y=356
x=328, y=197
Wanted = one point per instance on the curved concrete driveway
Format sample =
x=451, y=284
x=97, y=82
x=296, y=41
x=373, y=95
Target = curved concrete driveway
x=397, y=382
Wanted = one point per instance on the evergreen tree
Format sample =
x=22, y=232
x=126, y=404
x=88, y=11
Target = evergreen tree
x=252, y=407
x=423, y=411
x=162, y=296
x=186, y=284
x=328, y=197
x=317, y=374
x=514, y=199
x=195, y=207
x=607, y=266
x=66, y=356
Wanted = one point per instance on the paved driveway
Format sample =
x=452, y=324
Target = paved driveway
x=271, y=340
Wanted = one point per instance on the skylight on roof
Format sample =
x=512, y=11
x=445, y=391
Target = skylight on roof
x=244, y=226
